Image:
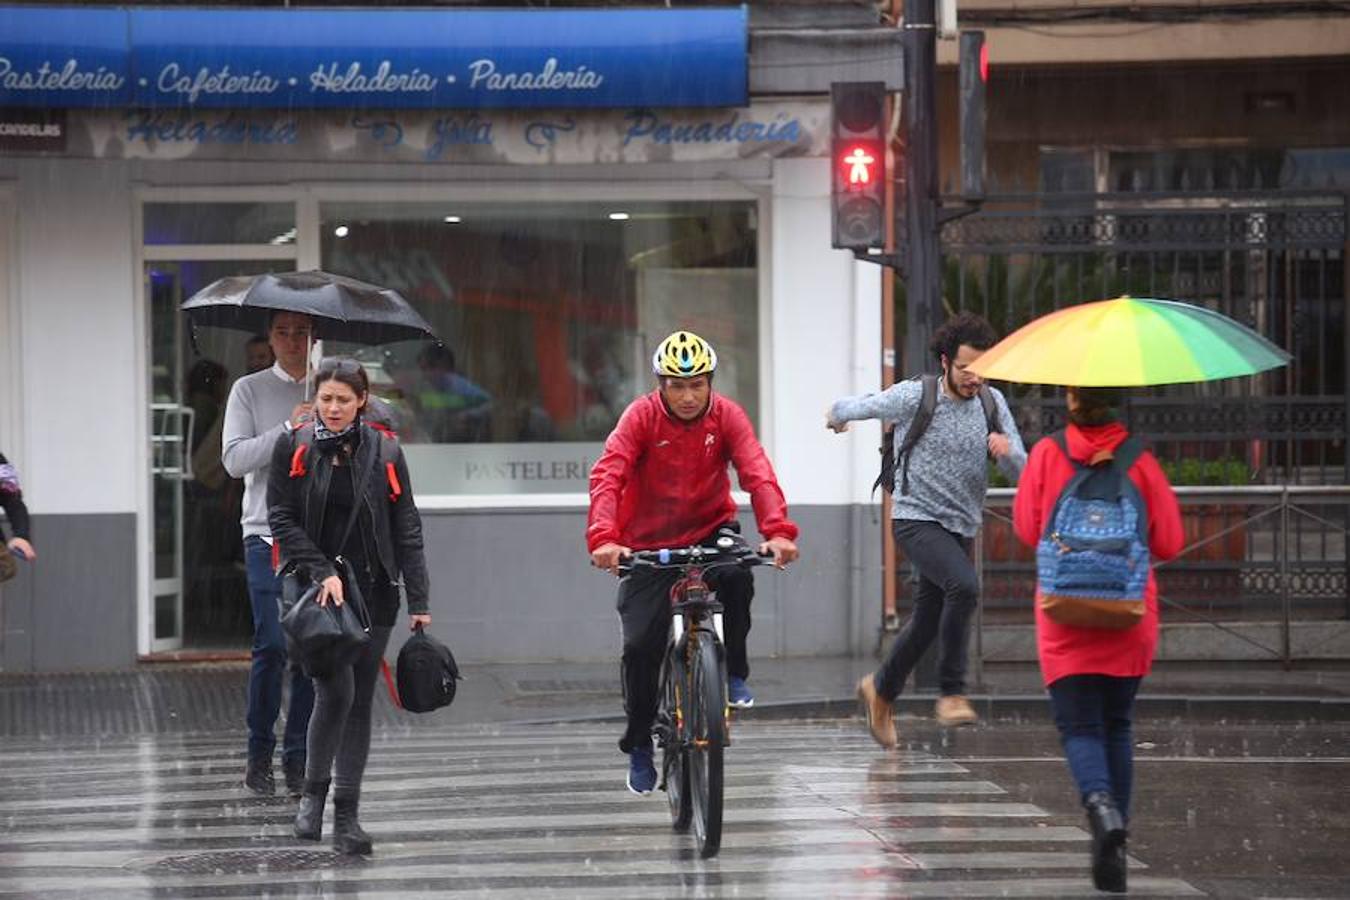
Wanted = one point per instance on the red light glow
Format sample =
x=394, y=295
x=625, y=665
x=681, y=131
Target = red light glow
x=859, y=163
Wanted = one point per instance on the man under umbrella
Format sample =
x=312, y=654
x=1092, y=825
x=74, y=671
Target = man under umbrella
x=260, y=408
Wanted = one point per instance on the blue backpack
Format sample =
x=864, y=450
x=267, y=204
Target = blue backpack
x=1092, y=562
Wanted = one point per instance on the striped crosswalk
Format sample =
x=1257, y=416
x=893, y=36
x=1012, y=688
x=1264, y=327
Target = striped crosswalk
x=813, y=810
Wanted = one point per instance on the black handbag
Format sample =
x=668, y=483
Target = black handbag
x=427, y=673
x=325, y=638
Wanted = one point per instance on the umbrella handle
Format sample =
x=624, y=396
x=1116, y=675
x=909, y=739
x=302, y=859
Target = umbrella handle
x=309, y=355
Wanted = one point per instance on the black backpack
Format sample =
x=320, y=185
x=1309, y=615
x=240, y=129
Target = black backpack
x=427, y=673
x=923, y=417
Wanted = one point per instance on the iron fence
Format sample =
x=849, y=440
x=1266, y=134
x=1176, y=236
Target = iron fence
x=1275, y=261
x=1257, y=560
x=1263, y=459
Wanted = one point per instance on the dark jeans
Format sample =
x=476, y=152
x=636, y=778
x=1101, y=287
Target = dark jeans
x=269, y=664
x=1094, y=714
x=948, y=590
x=339, y=733
x=644, y=610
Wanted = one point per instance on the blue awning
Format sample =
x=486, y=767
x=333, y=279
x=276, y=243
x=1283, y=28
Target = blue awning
x=395, y=59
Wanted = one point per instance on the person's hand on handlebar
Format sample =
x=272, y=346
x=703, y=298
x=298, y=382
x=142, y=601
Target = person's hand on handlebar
x=607, y=556
x=784, y=551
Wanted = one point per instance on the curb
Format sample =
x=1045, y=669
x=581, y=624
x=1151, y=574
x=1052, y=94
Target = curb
x=1021, y=707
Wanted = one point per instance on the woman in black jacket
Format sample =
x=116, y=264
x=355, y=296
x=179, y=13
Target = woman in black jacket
x=314, y=476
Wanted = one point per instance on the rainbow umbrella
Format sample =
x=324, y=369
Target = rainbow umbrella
x=1128, y=342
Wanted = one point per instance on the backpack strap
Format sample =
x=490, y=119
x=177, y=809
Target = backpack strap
x=304, y=439
x=388, y=458
x=1061, y=439
x=990, y=405
x=1127, y=454
x=923, y=417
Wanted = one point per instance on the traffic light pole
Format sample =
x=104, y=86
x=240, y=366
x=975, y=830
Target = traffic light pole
x=922, y=273
x=923, y=278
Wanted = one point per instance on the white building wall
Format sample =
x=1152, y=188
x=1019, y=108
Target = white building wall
x=81, y=410
x=824, y=318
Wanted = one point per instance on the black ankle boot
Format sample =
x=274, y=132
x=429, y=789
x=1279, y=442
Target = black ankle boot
x=293, y=767
x=258, y=776
x=1108, y=842
x=309, y=817
x=348, y=836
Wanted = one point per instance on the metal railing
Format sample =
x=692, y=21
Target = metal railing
x=1253, y=556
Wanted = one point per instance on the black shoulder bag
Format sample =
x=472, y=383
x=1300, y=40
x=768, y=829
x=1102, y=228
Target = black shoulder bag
x=328, y=637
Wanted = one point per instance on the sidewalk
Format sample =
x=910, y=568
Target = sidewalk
x=187, y=699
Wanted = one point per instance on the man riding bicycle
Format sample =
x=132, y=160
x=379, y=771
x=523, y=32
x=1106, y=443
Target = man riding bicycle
x=662, y=483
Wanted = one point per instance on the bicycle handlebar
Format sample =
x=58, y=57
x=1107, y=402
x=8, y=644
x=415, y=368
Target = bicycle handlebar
x=737, y=554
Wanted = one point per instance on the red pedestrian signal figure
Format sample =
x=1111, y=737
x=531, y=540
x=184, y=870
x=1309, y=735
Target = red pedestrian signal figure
x=859, y=166
x=858, y=139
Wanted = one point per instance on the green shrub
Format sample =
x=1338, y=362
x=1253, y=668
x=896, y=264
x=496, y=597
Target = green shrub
x=1224, y=472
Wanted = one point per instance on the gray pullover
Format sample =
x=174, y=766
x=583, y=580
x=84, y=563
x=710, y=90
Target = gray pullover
x=948, y=468
x=254, y=418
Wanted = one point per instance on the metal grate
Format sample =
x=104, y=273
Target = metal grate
x=252, y=862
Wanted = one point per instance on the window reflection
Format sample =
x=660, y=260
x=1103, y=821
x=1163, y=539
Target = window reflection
x=549, y=314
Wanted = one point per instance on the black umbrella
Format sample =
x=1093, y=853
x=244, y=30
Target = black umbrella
x=341, y=308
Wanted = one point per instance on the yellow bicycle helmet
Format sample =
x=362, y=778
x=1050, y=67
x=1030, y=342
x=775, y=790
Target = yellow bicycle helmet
x=684, y=355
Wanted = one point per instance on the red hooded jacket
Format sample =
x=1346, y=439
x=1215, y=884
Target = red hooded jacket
x=662, y=482
x=1075, y=650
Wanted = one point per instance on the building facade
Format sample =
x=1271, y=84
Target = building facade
x=550, y=241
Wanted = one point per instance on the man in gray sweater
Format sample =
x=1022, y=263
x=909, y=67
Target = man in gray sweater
x=936, y=519
x=262, y=407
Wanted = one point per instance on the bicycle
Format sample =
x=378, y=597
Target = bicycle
x=691, y=722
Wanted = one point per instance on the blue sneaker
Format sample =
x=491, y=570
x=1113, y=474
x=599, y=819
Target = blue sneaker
x=738, y=693
x=641, y=772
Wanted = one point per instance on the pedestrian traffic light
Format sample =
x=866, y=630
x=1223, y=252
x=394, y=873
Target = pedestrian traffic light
x=974, y=76
x=858, y=130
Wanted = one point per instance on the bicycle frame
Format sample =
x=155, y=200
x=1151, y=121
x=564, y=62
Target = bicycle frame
x=682, y=594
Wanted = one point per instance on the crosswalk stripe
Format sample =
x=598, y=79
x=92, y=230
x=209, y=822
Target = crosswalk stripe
x=813, y=888
x=613, y=794
x=597, y=777
x=281, y=827
x=485, y=871
x=631, y=841
x=231, y=771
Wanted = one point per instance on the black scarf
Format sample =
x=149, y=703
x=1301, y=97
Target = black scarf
x=349, y=438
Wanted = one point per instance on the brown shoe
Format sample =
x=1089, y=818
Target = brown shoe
x=955, y=710
x=878, y=712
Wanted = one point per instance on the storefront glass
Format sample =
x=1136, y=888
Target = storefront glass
x=549, y=314
x=219, y=223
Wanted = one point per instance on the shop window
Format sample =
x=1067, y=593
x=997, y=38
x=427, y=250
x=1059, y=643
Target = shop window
x=1067, y=171
x=1238, y=169
x=219, y=223
x=549, y=314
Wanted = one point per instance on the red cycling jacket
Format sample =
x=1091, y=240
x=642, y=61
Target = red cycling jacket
x=662, y=482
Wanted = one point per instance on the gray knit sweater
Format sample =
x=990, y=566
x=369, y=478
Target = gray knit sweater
x=948, y=468
x=254, y=413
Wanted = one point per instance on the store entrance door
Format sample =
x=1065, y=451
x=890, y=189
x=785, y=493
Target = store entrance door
x=200, y=593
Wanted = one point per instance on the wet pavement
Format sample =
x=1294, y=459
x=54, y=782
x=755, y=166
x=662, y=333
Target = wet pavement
x=126, y=784
x=814, y=809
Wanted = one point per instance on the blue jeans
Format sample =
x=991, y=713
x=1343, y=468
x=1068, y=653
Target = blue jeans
x=1094, y=714
x=269, y=664
x=949, y=587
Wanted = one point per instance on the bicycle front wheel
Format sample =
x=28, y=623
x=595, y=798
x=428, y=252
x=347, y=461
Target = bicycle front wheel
x=708, y=730
x=674, y=760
